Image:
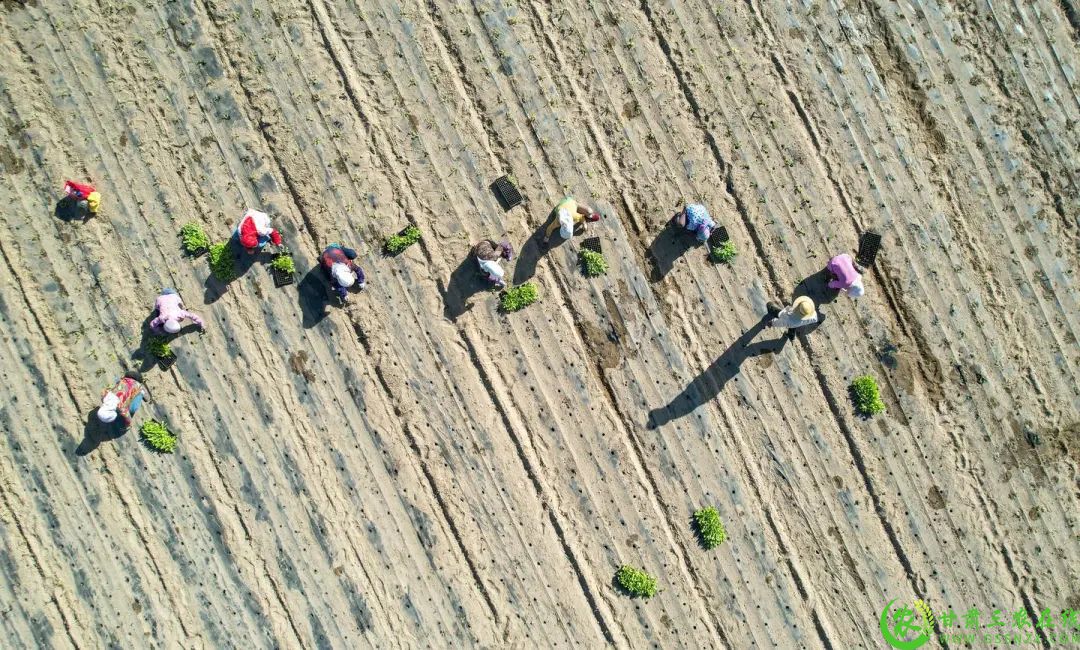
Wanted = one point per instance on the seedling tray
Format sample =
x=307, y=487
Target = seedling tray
x=166, y=362
x=281, y=278
x=507, y=194
x=592, y=244
x=199, y=253
x=869, y=245
x=719, y=236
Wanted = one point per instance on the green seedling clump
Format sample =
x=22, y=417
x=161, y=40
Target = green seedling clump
x=159, y=347
x=867, y=397
x=593, y=263
x=710, y=527
x=397, y=243
x=723, y=253
x=221, y=262
x=636, y=582
x=519, y=297
x=284, y=264
x=193, y=238
x=156, y=435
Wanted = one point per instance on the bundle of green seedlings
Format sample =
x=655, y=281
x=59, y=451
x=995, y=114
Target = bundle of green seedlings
x=159, y=347
x=636, y=582
x=867, y=397
x=284, y=264
x=397, y=243
x=156, y=436
x=194, y=238
x=519, y=297
x=221, y=262
x=723, y=253
x=592, y=262
x=710, y=527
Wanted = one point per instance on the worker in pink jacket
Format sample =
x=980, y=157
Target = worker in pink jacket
x=844, y=276
x=170, y=311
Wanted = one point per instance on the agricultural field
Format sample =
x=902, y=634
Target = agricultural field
x=421, y=468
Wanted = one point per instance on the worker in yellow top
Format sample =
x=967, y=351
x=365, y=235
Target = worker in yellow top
x=568, y=214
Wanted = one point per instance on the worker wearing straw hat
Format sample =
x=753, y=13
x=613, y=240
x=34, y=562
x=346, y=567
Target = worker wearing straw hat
x=798, y=314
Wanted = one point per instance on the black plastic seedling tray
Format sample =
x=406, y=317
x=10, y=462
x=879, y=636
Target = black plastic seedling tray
x=507, y=194
x=593, y=244
x=281, y=278
x=166, y=362
x=719, y=236
x=869, y=245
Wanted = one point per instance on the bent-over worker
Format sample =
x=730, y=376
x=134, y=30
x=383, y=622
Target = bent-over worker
x=488, y=254
x=85, y=196
x=568, y=215
x=695, y=218
x=122, y=400
x=337, y=262
x=845, y=276
x=170, y=311
x=254, y=231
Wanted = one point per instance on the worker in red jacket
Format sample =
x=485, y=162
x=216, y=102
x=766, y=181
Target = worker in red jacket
x=254, y=231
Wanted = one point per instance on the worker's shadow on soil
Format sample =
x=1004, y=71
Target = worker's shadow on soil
x=709, y=383
x=465, y=282
x=142, y=354
x=817, y=287
x=666, y=248
x=96, y=432
x=534, y=249
x=315, y=297
x=242, y=261
x=68, y=209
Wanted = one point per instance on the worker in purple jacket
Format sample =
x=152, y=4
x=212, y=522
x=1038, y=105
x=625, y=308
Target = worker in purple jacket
x=845, y=276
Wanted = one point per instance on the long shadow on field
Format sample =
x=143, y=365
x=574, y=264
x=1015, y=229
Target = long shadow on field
x=242, y=261
x=817, y=287
x=533, y=250
x=708, y=384
x=95, y=432
x=669, y=245
x=315, y=296
x=464, y=283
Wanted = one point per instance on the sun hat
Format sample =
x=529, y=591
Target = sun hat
x=342, y=274
x=107, y=411
x=93, y=200
x=172, y=326
x=804, y=306
x=856, y=289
